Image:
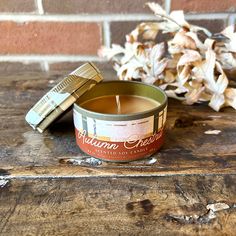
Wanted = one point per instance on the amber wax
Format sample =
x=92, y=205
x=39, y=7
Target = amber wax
x=120, y=121
x=120, y=104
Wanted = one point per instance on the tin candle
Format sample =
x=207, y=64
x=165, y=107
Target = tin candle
x=134, y=132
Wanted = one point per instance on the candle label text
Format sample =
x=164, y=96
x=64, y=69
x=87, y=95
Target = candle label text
x=120, y=140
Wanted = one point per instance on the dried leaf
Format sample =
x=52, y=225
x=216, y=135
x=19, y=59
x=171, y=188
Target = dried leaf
x=193, y=95
x=173, y=61
x=184, y=74
x=217, y=101
x=151, y=30
x=229, y=33
x=156, y=8
x=227, y=60
x=183, y=40
x=172, y=22
x=157, y=52
x=230, y=97
x=221, y=84
x=127, y=70
x=174, y=49
x=149, y=79
x=195, y=29
x=130, y=51
x=178, y=16
x=133, y=36
x=169, y=76
x=172, y=94
x=209, y=43
x=205, y=70
x=157, y=64
x=159, y=67
x=188, y=57
x=197, y=41
x=187, y=69
x=111, y=52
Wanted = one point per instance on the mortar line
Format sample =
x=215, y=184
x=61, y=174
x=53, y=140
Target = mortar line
x=231, y=20
x=40, y=7
x=75, y=18
x=168, y=6
x=206, y=16
x=48, y=58
x=101, y=18
x=106, y=34
x=44, y=66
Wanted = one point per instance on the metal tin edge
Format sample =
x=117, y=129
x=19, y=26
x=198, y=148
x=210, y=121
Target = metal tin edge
x=125, y=116
x=62, y=96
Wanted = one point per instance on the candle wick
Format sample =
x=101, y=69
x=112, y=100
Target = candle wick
x=118, y=104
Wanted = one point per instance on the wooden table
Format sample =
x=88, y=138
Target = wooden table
x=49, y=187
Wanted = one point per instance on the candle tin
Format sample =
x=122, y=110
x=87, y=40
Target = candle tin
x=121, y=137
x=110, y=137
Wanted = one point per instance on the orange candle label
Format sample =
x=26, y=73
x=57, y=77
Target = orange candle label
x=120, y=140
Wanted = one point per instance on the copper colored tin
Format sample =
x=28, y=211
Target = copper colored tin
x=121, y=137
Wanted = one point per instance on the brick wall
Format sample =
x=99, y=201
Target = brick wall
x=44, y=34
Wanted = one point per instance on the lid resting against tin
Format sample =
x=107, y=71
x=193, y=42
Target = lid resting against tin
x=62, y=96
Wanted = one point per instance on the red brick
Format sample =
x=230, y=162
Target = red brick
x=66, y=67
x=49, y=38
x=95, y=6
x=214, y=26
x=120, y=29
x=204, y=5
x=17, y=6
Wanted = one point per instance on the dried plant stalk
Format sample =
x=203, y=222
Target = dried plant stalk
x=190, y=66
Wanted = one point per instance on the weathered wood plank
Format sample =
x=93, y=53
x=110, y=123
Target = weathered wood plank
x=118, y=206
x=129, y=170
x=187, y=150
x=43, y=189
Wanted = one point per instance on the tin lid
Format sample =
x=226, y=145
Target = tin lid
x=62, y=96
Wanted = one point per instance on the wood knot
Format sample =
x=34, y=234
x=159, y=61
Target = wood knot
x=144, y=207
x=184, y=121
x=188, y=121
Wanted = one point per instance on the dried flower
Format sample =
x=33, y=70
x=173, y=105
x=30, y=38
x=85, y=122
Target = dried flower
x=185, y=66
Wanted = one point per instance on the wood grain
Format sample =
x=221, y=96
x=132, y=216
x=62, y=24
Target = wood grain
x=118, y=206
x=49, y=187
x=187, y=149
